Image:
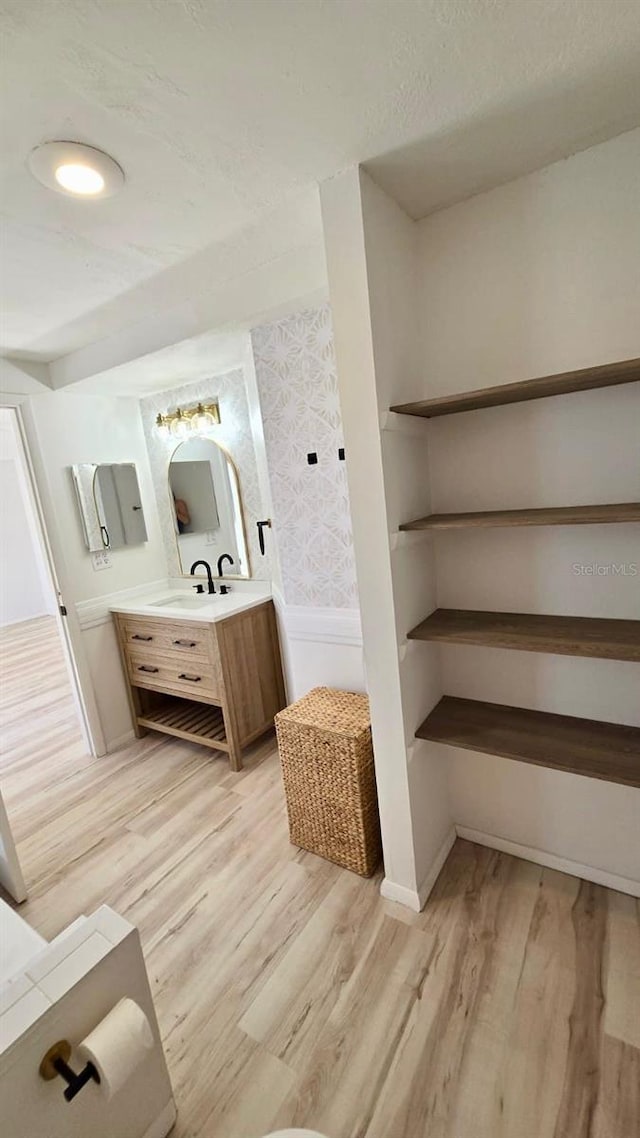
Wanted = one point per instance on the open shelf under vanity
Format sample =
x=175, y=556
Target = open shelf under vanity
x=185, y=719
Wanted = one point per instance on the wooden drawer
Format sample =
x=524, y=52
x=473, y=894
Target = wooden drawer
x=179, y=640
x=196, y=678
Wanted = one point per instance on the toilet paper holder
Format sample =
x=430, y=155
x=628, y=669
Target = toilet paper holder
x=56, y=1062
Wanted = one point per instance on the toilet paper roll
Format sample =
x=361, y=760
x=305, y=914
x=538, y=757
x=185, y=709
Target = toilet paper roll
x=118, y=1045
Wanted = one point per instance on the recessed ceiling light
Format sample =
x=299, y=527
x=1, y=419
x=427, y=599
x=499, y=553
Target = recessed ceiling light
x=75, y=169
x=78, y=179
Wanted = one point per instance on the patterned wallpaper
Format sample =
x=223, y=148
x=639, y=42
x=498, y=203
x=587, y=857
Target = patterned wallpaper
x=297, y=382
x=234, y=432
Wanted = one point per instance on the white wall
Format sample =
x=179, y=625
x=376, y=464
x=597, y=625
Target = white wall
x=312, y=661
x=25, y=588
x=68, y=428
x=372, y=265
x=536, y=277
x=74, y=428
x=22, y=377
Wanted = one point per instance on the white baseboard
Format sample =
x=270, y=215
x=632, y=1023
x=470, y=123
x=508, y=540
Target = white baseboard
x=416, y=898
x=551, y=861
x=393, y=892
x=163, y=1123
x=433, y=874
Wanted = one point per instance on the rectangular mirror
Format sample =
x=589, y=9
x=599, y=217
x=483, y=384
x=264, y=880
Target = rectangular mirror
x=110, y=508
x=207, y=509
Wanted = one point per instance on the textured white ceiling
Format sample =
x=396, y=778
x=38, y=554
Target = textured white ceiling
x=213, y=353
x=219, y=110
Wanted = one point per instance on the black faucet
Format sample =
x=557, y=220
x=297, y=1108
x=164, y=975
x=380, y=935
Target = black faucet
x=210, y=586
x=223, y=557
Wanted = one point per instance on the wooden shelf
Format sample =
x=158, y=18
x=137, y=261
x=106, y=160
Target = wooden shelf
x=188, y=719
x=550, y=516
x=608, y=375
x=579, y=746
x=528, y=632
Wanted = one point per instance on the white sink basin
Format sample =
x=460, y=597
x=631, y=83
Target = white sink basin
x=181, y=605
x=183, y=601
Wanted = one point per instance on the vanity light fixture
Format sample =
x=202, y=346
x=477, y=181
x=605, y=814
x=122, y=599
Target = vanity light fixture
x=75, y=169
x=185, y=421
x=203, y=419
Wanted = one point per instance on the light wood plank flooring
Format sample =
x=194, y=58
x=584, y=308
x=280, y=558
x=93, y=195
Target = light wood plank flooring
x=288, y=992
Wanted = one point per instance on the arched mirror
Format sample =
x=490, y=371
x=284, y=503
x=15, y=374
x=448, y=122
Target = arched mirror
x=207, y=509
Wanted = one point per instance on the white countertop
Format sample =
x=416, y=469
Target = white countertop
x=181, y=604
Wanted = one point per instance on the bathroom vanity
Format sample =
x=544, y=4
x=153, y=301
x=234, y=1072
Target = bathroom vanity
x=207, y=669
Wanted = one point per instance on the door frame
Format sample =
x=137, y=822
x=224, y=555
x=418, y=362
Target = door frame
x=11, y=876
x=51, y=549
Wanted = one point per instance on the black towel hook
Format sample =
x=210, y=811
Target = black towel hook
x=261, y=526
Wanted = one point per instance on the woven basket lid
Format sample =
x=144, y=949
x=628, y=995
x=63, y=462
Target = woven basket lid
x=341, y=712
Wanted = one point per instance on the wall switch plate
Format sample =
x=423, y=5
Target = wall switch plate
x=210, y=538
x=101, y=560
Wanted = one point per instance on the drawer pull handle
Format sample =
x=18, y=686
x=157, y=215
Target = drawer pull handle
x=192, y=679
x=185, y=643
x=136, y=636
x=147, y=668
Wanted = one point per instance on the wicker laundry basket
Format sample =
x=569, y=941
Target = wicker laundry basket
x=327, y=766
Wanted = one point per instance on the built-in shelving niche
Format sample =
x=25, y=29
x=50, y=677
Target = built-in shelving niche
x=588, y=747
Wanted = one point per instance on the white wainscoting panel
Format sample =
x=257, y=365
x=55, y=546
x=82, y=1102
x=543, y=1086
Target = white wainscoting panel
x=98, y=610
x=321, y=647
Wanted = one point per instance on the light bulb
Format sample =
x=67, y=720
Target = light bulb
x=79, y=179
x=162, y=427
x=180, y=426
x=202, y=420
